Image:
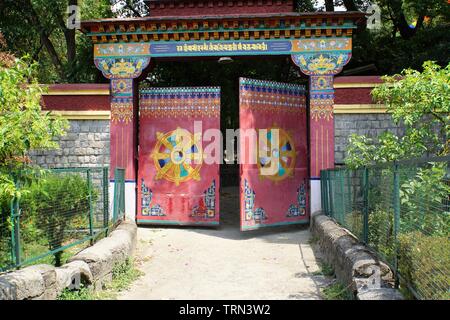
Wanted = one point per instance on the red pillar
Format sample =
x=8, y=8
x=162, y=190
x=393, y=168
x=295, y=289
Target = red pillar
x=123, y=127
x=321, y=61
x=123, y=73
x=321, y=124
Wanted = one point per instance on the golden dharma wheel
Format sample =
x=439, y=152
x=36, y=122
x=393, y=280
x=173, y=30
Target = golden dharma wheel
x=178, y=156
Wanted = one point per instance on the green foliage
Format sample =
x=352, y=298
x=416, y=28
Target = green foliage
x=54, y=211
x=123, y=276
x=424, y=200
x=412, y=94
x=381, y=232
x=325, y=270
x=38, y=28
x=354, y=223
x=337, y=291
x=424, y=264
x=23, y=126
x=421, y=102
x=84, y=293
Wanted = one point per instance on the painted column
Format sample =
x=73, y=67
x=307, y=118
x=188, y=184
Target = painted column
x=321, y=65
x=123, y=73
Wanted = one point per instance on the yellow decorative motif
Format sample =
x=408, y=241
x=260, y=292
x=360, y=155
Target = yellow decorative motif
x=321, y=109
x=322, y=64
x=121, y=112
x=284, y=155
x=124, y=67
x=178, y=156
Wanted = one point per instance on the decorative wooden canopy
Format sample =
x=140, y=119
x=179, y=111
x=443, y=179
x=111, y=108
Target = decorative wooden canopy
x=225, y=27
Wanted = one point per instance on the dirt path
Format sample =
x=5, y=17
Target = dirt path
x=186, y=263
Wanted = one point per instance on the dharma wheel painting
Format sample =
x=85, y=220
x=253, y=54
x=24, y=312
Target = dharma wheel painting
x=176, y=185
x=278, y=196
x=178, y=156
x=283, y=154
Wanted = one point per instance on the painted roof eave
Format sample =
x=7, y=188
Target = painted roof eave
x=356, y=16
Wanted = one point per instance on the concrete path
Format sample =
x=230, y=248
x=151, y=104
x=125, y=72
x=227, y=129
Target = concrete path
x=224, y=263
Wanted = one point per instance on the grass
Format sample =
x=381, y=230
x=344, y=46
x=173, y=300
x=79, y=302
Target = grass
x=123, y=275
x=337, y=291
x=313, y=240
x=325, y=270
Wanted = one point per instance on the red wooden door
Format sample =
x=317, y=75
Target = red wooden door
x=175, y=184
x=274, y=188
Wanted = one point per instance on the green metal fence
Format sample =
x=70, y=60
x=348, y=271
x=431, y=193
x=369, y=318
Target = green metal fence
x=402, y=211
x=119, y=195
x=59, y=215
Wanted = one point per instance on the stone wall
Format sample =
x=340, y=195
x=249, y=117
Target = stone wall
x=371, y=125
x=355, y=266
x=85, y=145
x=87, y=141
x=92, y=266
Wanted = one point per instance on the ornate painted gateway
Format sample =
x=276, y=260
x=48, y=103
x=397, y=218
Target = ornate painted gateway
x=176, y=186
x=167, y=185
x=279, y=196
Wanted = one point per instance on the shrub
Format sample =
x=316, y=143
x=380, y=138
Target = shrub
x=424, y=201
x=424, y=264
x=56, y=210
x=381, y=232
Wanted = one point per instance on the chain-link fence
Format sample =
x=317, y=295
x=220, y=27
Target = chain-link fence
x=58, y=215
x=402, y=211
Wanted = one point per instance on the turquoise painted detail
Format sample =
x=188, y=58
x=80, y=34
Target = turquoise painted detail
x=285, y=223
x=183, y=172
x=171, y=222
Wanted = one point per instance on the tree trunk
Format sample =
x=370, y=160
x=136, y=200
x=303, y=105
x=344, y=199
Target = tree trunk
x=69, y=34
x=350, y=5
x=329, y=5
x=34, y=20
x=400, y=22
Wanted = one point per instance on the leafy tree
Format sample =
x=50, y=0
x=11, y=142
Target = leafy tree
x=38, y=28
x=421, y=102
x=403, y=13
x=23, y=126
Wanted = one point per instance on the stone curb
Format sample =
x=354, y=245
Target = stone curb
x=354, y=264
x=92, y=266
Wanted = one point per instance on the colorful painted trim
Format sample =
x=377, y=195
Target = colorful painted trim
x=257, y=215
x=126, y=67
x=320, y=63
x=147, y=209
x=179, y=223
x=298, y=209
x=284, y=223
x=82, y=115
x=272, y=96
x=206, y=209
x=321, y=106
x=180, y=102
x=139, y=51
x=360, y=108
x=122, y=110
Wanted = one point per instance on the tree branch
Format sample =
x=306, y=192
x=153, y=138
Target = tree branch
x=33, y=19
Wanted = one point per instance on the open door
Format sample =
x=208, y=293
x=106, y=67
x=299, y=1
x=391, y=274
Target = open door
x=176, y=186
x=280, y=197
